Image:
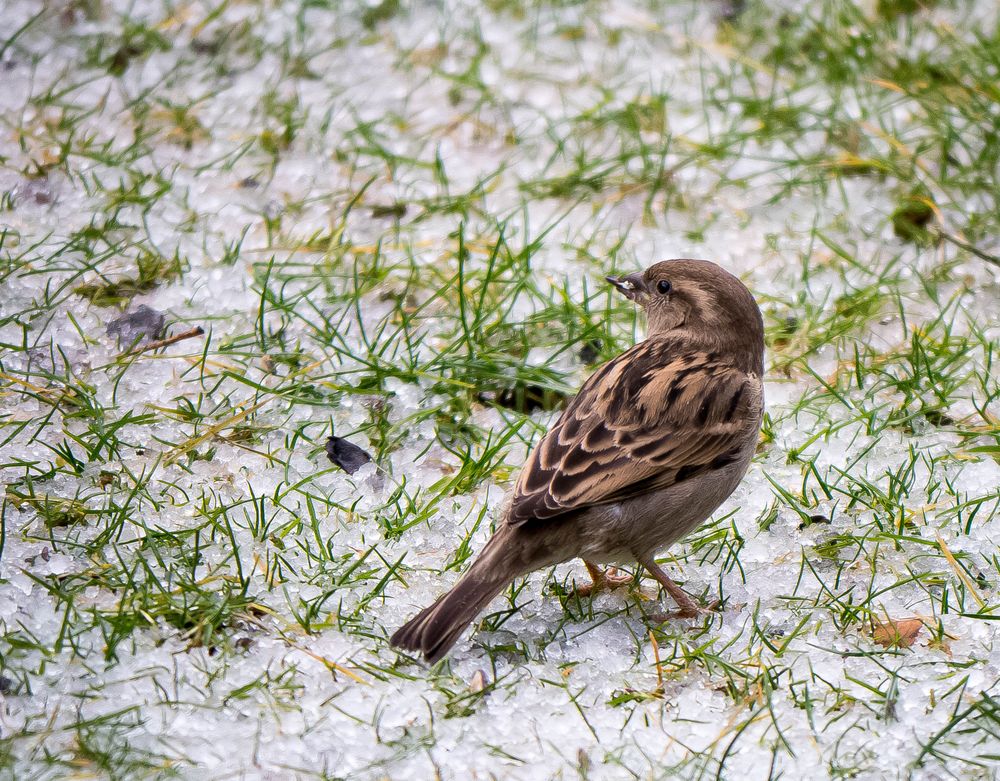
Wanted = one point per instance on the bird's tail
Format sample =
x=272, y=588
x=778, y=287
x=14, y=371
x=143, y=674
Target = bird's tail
x=435, y=629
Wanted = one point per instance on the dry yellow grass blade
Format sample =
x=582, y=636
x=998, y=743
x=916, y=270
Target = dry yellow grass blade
x=961, y=573
x=222, y=425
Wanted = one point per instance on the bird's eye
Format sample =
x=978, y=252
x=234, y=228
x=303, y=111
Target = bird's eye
x=663, y=286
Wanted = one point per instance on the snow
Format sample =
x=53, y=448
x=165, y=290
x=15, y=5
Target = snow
x=268, y=699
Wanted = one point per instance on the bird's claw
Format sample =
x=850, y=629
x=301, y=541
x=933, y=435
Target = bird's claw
x=691, y=610
x=694, y=611
x=603, y=581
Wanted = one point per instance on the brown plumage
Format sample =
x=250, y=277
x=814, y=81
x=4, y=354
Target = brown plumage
x=654, y=442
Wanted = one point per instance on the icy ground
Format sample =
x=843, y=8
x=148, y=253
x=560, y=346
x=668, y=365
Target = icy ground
x=392, y=222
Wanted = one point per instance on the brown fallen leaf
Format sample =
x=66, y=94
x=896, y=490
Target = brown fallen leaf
x=896, y=633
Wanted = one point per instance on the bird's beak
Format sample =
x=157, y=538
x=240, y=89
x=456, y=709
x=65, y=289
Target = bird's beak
x=631, y=286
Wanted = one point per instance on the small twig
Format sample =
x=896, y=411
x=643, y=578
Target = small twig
x=166, y=342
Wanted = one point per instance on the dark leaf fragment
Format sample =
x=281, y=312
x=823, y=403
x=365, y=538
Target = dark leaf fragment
x=525, y=398
x=395, y=210
x=814, y=519
x=346, y=455
x=141, y=324
x=590, y=351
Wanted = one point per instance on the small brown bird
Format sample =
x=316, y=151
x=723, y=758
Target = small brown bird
x=654, y=442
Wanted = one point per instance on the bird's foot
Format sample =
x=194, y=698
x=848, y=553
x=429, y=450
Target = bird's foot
x=686, y=606
x=690, y=610
x=602, y=581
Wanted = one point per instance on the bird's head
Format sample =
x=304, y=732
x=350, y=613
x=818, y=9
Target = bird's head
x=697, y=295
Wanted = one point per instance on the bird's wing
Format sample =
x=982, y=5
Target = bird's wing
x=652, y=417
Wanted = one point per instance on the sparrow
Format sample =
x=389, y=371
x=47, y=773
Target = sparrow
x=653, y=443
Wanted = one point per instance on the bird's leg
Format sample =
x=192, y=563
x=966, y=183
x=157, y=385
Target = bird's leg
x=687, y=607
x=601, y=580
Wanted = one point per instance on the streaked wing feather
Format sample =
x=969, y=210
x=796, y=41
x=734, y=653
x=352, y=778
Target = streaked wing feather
x=656, y=415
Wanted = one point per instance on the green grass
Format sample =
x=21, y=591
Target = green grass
x=402, y=241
